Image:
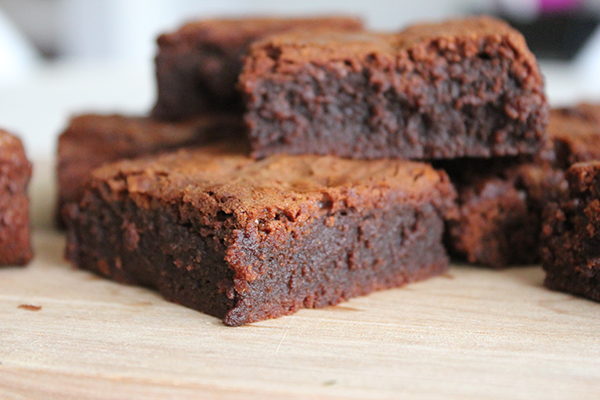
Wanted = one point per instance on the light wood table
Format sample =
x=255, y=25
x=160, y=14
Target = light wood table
x=470, y=334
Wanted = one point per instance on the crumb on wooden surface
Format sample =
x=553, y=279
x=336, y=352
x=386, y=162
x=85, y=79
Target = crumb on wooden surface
x=30, y=307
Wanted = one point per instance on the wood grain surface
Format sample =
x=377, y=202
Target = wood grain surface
x=471, y=334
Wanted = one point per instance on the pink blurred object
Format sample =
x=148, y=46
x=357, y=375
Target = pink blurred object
x=558, y=6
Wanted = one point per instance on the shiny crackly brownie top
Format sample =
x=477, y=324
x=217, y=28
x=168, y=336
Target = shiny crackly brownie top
x=224, y=177
x=469, y=37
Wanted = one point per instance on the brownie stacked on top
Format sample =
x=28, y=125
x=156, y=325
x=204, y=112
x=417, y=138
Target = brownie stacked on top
x=252, y=233
x=465, y=88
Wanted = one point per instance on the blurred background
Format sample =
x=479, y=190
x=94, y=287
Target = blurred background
x=97, y=29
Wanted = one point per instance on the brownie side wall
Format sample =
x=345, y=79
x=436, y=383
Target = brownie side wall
x=154, y=246
x=15, y=242
x=192, y=79
x=571, y=239
x=15, y=173
x=337, y=256
x=444, y=105
x=500, y=214
x=332, y=256
x=495, y=227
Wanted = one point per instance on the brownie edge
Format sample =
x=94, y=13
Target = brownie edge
x=571, y=235
x=15, y=173
x=246, y=241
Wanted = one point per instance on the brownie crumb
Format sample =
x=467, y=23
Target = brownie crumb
x=30, y=307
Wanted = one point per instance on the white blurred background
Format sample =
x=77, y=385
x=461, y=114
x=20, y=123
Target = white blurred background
x=62, y=57
x=127, y=28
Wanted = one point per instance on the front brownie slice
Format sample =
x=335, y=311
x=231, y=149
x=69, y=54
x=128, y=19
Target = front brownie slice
x=500, y=207
x=92, y=140
x=463, y=88
x=197, y=67
x=575, y=133
x=248, y=240
x=571, y=235
x=15, y=172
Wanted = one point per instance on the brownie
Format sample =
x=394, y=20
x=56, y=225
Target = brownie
x=462, y=88
x=500, y=206
x=501, y=202
x=575, y=133
x=92, y=140
x=571, y=235
x=248, y=240
x=15, y=172
x=197, y=67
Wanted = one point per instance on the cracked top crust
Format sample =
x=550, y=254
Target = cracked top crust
x=219, y=178
x=469, y=37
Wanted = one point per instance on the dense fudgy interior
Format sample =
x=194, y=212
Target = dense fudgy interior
x=500, y=207
x=154, y=246
x=340, y=255
x=331, y=258
x=570, y=235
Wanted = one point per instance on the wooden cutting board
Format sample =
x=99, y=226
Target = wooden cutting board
x=472, y=333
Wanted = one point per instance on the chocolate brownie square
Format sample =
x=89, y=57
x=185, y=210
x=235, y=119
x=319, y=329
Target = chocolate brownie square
x=500, y=206
x=248, y=240
x=197, y=67
x=462, y=88
x=571, y=235
x=15, y=172
x=92, y=140
x=501, y=202
x=575, y=133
